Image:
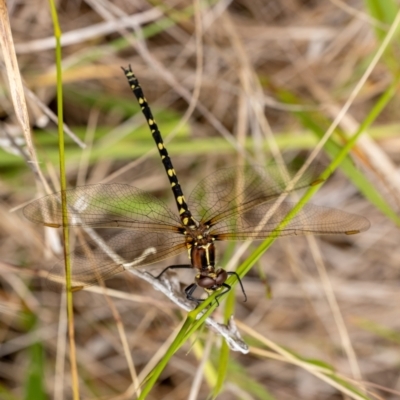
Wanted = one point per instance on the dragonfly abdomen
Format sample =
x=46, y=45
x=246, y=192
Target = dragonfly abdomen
x=184, y=213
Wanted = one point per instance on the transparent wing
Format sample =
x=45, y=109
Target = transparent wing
x=129, y=249
x=105, y=206
x=262, y=220
x=233, y=191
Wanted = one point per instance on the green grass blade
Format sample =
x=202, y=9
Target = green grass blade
x=6, y=394
x=34, y=387
x=342, y=159
x=379, y=330
x=383, y=11
x=239, y=377
x=63, y=182
x=222, y=368
x=229, y=310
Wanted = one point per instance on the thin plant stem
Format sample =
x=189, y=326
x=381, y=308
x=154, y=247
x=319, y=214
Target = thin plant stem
x=63, y=182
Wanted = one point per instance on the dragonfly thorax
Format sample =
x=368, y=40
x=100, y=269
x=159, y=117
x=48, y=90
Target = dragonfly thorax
x=198, y=234
x=202, y=256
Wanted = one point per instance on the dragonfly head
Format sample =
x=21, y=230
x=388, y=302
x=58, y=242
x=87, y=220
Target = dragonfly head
x=211, y=280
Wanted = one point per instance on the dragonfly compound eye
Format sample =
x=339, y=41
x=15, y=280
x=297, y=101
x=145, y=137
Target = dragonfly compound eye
x=206, y=282
x=222, y=276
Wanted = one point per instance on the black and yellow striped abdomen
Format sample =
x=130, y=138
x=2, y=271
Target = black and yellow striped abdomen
x=184, y=213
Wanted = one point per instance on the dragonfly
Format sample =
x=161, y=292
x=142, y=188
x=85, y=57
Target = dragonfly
x=232, y=204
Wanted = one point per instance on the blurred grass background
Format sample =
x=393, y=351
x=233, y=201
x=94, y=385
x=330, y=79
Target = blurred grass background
x=275, y=74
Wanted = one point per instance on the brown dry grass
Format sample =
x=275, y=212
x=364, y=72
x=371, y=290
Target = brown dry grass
x=314, y=49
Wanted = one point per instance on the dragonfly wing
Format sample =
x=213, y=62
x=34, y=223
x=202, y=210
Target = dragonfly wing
x=105, y=206
x=262, y=220
x=232, y=191
x=129, y=249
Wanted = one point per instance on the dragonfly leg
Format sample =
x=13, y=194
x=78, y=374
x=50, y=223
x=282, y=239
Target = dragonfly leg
x=240, y=282
x=191, y=288
x=227, y=289
x=183, y=266
x=189, y=293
